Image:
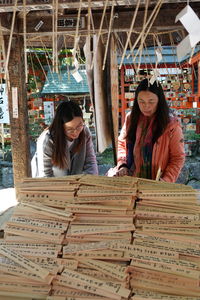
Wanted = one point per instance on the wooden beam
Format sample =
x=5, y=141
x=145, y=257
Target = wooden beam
x=5, y=30
x=96, y=4
x=164, y=23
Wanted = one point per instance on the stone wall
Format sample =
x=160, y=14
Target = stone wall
x=190, y=174
x=6, y=174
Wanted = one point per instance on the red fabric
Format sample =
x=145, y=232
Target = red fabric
x=144, y=136
x=168, y=151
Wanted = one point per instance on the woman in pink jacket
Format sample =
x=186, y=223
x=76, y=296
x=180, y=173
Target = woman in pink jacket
x=151, y=140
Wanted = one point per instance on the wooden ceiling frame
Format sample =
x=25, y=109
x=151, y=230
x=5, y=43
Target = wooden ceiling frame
x=74, y=4
x=123, y=12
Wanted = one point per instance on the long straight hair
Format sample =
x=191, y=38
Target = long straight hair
x=66, y=112
x=161, y=115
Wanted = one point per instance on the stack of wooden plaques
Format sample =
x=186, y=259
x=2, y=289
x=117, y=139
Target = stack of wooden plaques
x=59, y=243
x=100, y=238
x=166, y=264
x=29, y=253
x=49, y=191
x=103, y=213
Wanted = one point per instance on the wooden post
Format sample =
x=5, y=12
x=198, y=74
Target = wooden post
x=198, y=89
x=123, y=100
x=19, y=119
x=113, y=93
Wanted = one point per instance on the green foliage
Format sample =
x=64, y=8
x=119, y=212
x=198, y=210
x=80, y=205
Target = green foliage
x=7, y=147
x=191, y=135
x=66, y=61
x=31, y=86
x=107, y=157
x=36, y=129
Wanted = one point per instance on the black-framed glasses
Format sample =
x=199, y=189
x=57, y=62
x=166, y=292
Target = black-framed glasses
x=72, y=130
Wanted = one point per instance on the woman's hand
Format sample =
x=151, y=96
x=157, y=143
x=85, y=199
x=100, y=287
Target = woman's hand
x=124, y=171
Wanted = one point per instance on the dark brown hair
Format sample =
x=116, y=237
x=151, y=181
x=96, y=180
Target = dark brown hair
x=66, y=112
x=162, y=112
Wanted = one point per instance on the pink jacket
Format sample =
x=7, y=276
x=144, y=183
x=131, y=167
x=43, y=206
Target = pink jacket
x=168, y=151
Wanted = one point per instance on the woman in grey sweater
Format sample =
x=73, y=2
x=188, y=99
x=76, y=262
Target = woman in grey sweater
x=66, y=147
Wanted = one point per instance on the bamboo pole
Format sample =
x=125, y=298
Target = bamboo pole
x=34, y=36
x=76, y=38
x=143, y=37
x=158, y=5
x=56, y=36
x=134, y=65
x=99, y=33
x=129, y=34
x=89, y=18
x=33, y=70
x=88, y=38
x=68, y=72
x=142, y=40
x=41, y=66
x=149, y=58
x=9, y=43
x=108, y=38
x=47, y=57
x=53, y=34
x=24, y=29
x=3, y=52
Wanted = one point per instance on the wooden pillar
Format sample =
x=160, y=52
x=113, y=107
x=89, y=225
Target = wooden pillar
x=18, y=124
x=123, y=100
x=113, y=93
x=198, y=64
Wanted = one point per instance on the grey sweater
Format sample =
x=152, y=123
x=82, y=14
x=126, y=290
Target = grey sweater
x=81, y=162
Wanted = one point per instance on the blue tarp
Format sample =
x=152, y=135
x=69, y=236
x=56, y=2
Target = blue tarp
x=149, y=56
x=65, y=83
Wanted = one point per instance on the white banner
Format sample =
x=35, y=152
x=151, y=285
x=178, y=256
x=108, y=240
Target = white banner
x=15, y=102
x=4, y=110
x=48, y=112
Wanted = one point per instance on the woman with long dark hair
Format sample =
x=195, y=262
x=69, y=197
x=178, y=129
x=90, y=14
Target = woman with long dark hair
x=151, y=139
x=66, y=147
